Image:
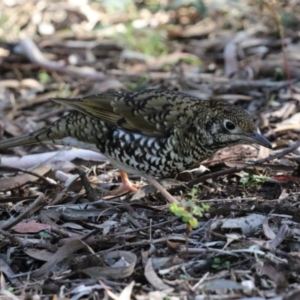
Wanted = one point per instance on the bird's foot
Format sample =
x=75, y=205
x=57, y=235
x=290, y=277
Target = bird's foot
x=125, y=187
x=128, y=186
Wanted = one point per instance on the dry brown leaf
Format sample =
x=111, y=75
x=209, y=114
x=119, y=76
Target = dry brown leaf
x=53, y=159
x=64, y=252
x=153, y=279
x=115, y=272
x=204, y=27
x=10, y=274
x=19, y=180
x=293, y=123
x=246, y=224
x=39, y=254
x=30, y=227
x=269, y=233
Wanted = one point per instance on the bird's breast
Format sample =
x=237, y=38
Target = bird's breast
x=137, y=153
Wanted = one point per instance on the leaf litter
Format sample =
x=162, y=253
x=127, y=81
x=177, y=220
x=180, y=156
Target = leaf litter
x=62, y=239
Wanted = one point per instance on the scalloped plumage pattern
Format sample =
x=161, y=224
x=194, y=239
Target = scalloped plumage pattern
x=154, y=132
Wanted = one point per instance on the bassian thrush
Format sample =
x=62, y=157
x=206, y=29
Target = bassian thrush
x=153, y=133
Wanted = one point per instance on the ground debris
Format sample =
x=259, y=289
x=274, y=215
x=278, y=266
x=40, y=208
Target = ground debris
x=61, y=236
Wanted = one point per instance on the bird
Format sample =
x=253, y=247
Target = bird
x=154, y=133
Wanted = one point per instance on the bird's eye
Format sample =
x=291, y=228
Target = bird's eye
x=229, y=125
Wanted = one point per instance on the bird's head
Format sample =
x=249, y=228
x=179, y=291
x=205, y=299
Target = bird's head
x=228, y=125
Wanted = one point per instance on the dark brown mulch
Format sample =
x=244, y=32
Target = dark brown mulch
x=60, y=238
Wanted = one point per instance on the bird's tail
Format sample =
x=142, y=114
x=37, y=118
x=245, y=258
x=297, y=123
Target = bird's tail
x=70, y=130
x=56, y=131
x=26, y=139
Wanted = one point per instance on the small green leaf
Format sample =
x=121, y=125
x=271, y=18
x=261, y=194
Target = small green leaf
x=217, y=260
x=44, y=235
x=193, y=222
x=43, y=77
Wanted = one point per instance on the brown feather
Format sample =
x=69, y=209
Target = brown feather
x=148, y=112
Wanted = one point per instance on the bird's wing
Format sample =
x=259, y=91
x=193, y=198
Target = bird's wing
x=151, y=112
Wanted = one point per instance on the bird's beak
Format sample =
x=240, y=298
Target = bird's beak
x=259, y=139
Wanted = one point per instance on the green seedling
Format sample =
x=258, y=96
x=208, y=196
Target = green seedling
x=219, y=264
x=43, y=77
x=252, y=179
x=189, y=210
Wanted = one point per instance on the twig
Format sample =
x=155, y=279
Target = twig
x=36, y=205
x=237, y=169
x=260, y=84
x=32, y=52
x=272, y=6
x=13, y=169
x=208, y=78
x=92, y=194
x=277, y=155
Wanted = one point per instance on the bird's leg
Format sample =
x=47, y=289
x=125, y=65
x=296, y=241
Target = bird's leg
x=161, y=189
x=126, y=185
